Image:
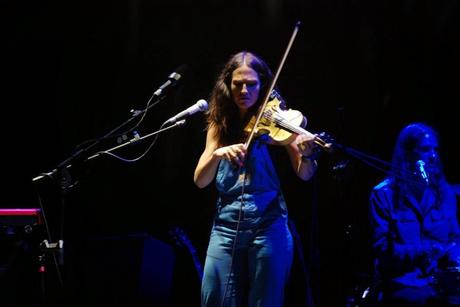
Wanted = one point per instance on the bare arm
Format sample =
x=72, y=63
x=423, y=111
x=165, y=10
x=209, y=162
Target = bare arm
x=206, y=168
x=302, y=146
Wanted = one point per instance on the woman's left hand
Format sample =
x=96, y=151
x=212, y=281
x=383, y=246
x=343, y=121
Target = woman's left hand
x=306, y=144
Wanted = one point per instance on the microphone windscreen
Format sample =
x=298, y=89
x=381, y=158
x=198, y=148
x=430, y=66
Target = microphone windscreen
x=182, y=69
x=203, y=105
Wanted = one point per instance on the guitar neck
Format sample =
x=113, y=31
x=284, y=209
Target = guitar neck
x=185, y=241
x=198, y=266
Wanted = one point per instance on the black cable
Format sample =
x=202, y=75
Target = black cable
x=381, y=165
x=111, y=132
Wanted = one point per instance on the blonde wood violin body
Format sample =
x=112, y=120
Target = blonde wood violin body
x=268, y=125
x=281, y=125
x=273, y=120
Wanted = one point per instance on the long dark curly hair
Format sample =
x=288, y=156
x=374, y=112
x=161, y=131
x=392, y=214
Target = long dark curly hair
x=223, y=112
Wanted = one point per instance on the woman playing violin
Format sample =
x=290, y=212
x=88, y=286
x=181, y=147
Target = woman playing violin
x=250, y=250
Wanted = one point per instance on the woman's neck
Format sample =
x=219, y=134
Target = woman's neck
x=243, y=113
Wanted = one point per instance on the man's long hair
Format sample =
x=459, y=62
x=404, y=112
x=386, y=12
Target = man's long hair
x=405, y=158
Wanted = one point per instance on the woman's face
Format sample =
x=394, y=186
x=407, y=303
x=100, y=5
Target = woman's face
x=245, y=87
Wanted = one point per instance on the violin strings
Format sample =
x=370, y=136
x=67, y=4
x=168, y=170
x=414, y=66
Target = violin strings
x=282, y=121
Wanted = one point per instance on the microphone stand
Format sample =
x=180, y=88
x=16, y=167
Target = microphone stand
x=56, y=249
x=67, y=162
x=359, y=279
x=64, y=183
x=136, y=139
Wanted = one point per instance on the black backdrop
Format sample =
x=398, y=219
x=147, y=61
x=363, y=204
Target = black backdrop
x=359, y=70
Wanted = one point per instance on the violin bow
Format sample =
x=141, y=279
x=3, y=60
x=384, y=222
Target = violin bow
x=272, y=85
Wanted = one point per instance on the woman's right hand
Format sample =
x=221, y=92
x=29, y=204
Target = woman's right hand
x=235, y=153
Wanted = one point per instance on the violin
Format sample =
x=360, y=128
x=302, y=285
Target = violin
x=280, y=124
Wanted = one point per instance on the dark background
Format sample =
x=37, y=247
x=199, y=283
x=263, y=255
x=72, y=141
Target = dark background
x=359, y=70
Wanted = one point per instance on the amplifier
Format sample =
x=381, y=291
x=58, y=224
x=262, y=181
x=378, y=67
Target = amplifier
x=20, y=231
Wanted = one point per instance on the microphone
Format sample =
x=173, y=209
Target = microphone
x=200, y=106
x=173, y=78
x=423, y=173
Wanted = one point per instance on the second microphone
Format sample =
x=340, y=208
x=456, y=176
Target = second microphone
x=200, y=106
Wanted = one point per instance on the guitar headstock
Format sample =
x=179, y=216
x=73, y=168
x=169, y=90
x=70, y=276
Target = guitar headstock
x=181, y=238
